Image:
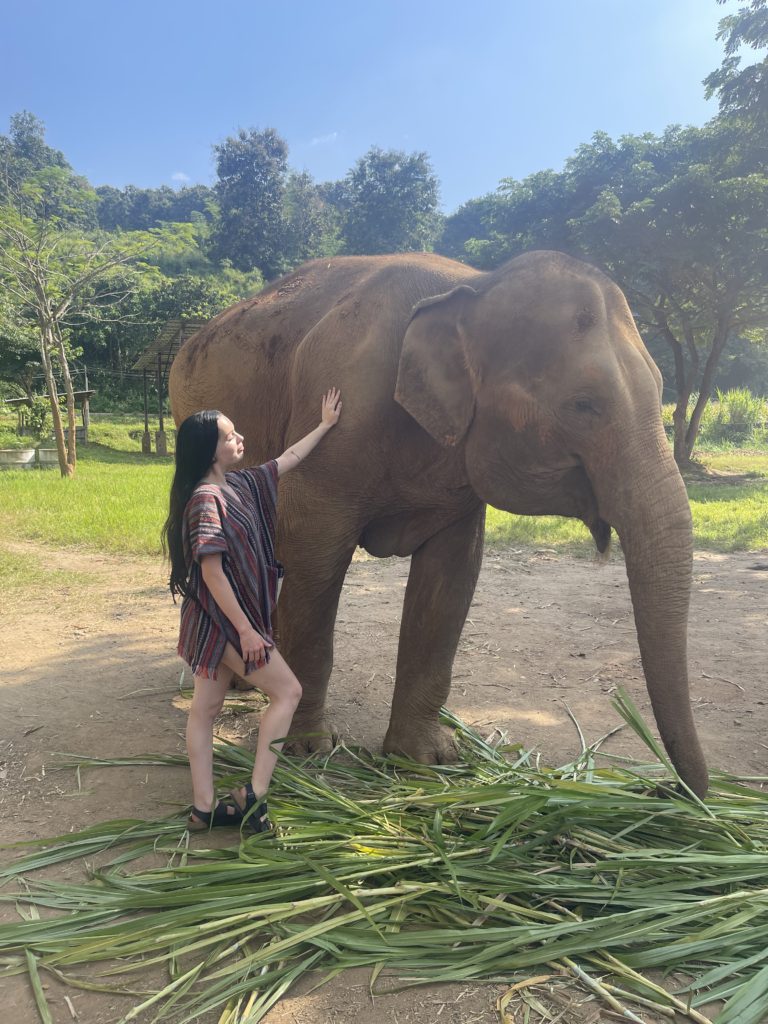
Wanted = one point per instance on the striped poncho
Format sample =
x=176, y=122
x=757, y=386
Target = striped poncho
x=242, y=530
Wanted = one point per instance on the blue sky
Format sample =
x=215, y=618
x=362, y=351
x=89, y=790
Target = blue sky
x=138, y=92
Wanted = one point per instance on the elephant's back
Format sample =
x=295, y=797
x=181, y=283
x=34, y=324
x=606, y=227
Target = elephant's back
x=258, y=337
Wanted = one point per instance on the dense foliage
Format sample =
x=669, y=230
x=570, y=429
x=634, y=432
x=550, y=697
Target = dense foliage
x=679, y=220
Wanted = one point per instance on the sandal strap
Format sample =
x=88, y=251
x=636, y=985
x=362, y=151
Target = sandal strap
x=220, y=816
x=226, y=812
x=204, y=816
x=256, y=813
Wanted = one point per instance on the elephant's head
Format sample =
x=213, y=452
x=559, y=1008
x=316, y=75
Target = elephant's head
x=538, y=373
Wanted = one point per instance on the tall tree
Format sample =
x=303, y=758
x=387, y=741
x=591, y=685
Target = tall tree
x=740, y=90
x=23, y=151
x=473, y=220
x=252, y=167
x=26, y=157
x=311, y=221
x=48, y=271
x=679, y=221
x=689, y=245
x=390, y=203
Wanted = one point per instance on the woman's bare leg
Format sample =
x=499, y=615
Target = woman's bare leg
x=207, y=702
x=284, y=691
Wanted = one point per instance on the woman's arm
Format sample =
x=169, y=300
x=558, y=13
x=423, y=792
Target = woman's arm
x=329, y=417
x=252, y=644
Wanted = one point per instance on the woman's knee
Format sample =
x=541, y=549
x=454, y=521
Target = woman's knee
x=207, y=702
x=285, y=691
x=295, y=691
x=206, y=710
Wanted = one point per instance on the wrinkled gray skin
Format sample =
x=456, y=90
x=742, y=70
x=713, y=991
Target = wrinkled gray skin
x=528, y=388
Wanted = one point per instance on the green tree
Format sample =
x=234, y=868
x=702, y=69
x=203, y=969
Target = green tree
x=311, y=221
x=743, y=91
x=141, y=209
x=390, y=203
x=474, y=219
x=19, y=350
x=119, y=341
x=23, y=151
x=680, y=221
x=252, y=168
x=27, y=160
x=48, y=271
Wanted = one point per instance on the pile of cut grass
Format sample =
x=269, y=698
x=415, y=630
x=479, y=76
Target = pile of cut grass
x=488, y=869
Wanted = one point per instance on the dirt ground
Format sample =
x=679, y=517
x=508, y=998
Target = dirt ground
x=91, y=669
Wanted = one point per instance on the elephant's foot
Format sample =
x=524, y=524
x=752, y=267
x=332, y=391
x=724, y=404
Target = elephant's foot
x=310, y=734
x=427, y=742
x=238, y=683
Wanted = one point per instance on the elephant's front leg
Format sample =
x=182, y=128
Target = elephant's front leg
x=441, y=583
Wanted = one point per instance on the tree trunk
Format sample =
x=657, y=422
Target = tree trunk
x=683, y=387
x=680, y=427
x=71, y=415
x=718, y=344
x=46, y=343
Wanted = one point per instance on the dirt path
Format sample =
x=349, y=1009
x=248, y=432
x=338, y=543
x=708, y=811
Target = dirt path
x=91, y=669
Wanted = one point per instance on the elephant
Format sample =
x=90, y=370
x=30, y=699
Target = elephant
x=527, y=387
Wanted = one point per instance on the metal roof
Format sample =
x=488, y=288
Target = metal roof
x=167, y=343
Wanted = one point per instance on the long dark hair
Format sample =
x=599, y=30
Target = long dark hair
x=196, y=442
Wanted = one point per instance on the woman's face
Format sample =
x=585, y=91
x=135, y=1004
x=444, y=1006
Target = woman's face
x=229, y=450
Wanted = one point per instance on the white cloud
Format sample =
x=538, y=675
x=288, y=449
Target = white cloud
x=180, y=176
x=324, y=140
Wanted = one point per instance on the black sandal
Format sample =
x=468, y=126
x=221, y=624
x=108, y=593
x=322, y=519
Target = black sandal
x=253, y=813
x=224, y=815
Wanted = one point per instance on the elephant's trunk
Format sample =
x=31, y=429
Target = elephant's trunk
x=648, y=506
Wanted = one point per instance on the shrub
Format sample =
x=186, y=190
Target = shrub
x=37, y=417
x=735, y=417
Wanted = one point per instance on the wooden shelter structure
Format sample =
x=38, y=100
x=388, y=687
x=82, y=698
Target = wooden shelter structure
x=157, y=359
x=82, y=401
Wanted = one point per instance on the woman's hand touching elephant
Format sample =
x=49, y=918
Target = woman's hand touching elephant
x=330, y=411
x=331, y=408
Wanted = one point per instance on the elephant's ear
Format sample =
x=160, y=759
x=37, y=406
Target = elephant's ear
x=434, y=380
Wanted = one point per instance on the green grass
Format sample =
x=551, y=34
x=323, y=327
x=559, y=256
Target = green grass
x=733, y=460
x=122, y=432
x=504, y=530
x=115, y=502
x=118, y=501
x=729, y=513
x=730, y=518
x=28, y=573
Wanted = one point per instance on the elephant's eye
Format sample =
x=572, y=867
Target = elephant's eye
x=586, y=405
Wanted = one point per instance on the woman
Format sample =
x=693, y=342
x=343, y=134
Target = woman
x=220, y=536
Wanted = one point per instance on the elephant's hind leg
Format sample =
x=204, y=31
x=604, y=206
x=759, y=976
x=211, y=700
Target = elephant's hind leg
x=441, y=584
x=316, y=557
